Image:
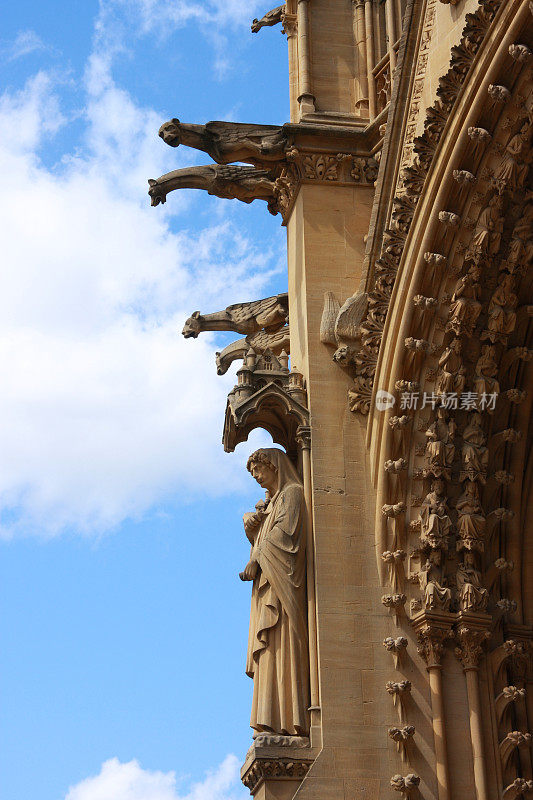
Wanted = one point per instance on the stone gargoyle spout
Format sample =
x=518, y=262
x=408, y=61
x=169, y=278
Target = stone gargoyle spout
x=230, y=182
x=269, y=314
x=226, y=142
x=271, y=18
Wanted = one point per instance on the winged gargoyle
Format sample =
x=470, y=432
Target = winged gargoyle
x=271, y=18
x=269, y=315
x=339, y=325
x=259, y=342
x=231, y=182
x=226, y=142
x=265, y=323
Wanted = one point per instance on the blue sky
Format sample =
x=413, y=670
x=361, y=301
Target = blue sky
x=123, y=626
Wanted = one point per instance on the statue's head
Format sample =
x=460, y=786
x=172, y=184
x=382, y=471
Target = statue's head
x=170, y=132
x=469, y=558
x=192, y=326
x=456, y=345
x=272, y=469
x=438, y=486
x=261, y=467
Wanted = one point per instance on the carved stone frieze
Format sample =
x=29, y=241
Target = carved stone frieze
x=263, y=769
x=319, y=167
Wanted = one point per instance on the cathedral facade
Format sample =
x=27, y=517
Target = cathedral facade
x=391, y=558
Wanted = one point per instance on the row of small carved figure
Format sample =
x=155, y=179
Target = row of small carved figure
x=514, y=657
x=450, y=381
x=402, y=735
x=509, y=694
x=412, y=184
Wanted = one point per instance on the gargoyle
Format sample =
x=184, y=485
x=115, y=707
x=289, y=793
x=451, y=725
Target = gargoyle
x=339, y=325
x=269, y=315
x=226, y=142
x=231, y=182
x=259, y=342
x=271, y=18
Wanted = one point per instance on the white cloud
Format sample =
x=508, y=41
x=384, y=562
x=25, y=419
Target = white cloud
x=154, y=18
x=106, y=411
x=25, y=42
x=128, y=781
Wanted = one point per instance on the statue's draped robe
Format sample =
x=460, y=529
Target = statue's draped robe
x=278, y=659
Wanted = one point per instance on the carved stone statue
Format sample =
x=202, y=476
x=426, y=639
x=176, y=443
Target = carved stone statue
x=502, y=316
x=521, y=245
x=278, y=660
x=472, y=595
x=435, y=522
x=271, y=18
x=465, y=306
x=513, y=169
x=452, y=372
x=440, y=447
x=485, y=382
x=259, y=342
x=470, y=518
x=488, y=231
x=269, y=314
x=226, y=142
x=436, y=596
x=475, y=456
x=229, y=182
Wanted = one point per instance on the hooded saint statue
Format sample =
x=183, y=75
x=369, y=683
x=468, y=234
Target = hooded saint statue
x=278, y=655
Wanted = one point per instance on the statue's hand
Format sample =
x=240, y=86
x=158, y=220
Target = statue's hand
x=251, y=520
x=250, y=571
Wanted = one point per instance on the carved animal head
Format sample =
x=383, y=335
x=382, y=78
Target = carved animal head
x=222, y=367
x=192, y=326
x=156, y=192
x=344, y=355
x=170, y=132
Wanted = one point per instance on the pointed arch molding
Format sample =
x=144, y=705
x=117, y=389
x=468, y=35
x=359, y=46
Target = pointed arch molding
x=457, y=316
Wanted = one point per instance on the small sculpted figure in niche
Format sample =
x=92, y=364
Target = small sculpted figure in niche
x=470, y=518
x=475, y=456
x=502, y=316
x=472, y=595
x=514, y=166
x=227, y=142
x=485, y=381
x=488, y=231
x=278, y=655
x=271, y=18
x=436, y=595
x=465, y=306
x=440, y=447
x=451, y=376
x=521, y=245
x=435, y=522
